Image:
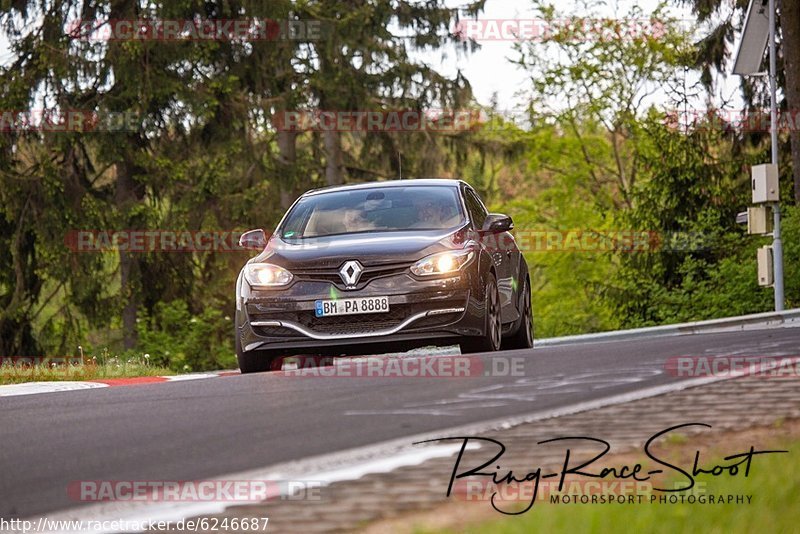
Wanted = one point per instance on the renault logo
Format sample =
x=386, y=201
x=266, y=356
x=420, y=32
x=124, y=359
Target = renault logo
x=351, y=273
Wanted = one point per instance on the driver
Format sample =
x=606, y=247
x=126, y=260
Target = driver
x=432, y=214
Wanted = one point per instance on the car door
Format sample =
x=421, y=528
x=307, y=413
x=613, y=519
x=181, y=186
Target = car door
x=501, y=247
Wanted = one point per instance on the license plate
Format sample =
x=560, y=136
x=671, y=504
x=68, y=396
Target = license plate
x=329, y=308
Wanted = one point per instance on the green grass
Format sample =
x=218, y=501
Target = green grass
x=773, y=482
x=87, y=370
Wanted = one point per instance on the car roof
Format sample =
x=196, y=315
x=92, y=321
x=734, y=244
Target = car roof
x=446, y=182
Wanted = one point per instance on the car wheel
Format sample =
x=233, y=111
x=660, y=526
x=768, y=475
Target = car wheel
x=253, y=361
x=491, y=340
x=522, y=338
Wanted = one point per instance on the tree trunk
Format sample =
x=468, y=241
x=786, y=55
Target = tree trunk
x=790, y=30
x=129, y=294
x=125, y=197
x=287, y=163
x=334, y=169
x=16, y=334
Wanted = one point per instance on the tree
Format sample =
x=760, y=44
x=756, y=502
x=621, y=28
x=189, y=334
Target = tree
x=592, y=76
x=790, y=32
x=363, y=65
x=114, y=176
x=715, y=48
x=689, y=200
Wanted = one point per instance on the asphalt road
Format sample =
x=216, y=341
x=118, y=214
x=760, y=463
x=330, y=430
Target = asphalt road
x=206, y=428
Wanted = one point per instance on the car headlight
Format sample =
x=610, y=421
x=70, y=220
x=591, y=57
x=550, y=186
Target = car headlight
x=266, y=275
x=442, y=263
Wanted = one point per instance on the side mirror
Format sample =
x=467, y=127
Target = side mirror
x=253, y=240
x=496, y=223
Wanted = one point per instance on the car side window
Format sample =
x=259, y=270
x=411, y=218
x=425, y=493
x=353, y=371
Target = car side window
x=477, y=212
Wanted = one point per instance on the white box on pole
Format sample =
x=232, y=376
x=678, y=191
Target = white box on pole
x=759, y=220
x=765, y=271
x=765, y=183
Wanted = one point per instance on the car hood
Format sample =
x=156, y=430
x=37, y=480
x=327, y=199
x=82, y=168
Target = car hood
x=374, y=248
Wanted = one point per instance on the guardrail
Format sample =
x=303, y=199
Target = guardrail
x=726, y=324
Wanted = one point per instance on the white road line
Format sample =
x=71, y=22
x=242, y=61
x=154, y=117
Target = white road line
x=197, y=376
x=32, y=388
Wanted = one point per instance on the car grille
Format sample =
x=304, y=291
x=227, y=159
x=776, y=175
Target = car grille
x=371, y=272
x=354, y=324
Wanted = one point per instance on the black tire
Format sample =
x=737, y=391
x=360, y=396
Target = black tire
x=491, y=340
x=522, y=338
x=253, y=361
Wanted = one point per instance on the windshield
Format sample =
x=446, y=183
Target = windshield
x=380, y=209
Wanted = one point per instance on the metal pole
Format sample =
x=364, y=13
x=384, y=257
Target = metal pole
x=777, y=244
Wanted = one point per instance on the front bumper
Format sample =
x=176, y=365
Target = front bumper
x=421, y=312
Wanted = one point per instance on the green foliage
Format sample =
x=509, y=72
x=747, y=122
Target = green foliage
x=696, y=185
x=568, y=288
x=791, y=255
x=175, y=338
